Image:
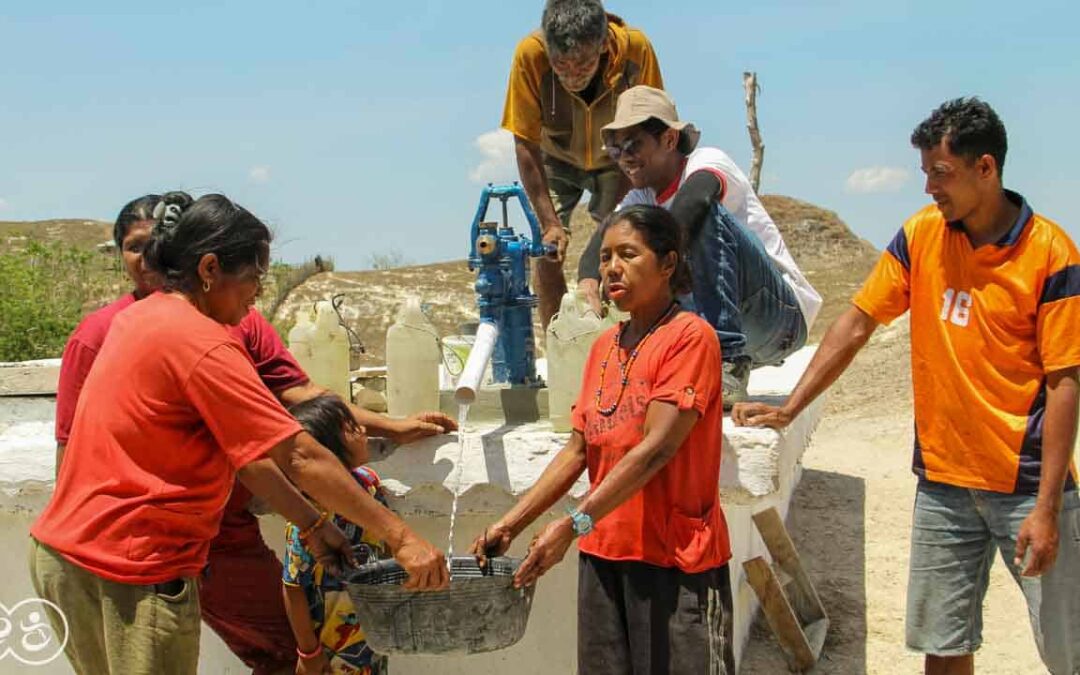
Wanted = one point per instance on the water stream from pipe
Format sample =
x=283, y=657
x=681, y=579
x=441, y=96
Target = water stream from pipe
x=463, y=414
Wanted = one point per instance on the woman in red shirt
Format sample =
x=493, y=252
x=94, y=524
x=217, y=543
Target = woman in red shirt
x=172, y=410
x=130, y=232
x=653, y=589
x=239, y=593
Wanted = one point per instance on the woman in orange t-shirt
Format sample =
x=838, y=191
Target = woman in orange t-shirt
x=240, y=588
x=654, y=594
x=171, y=411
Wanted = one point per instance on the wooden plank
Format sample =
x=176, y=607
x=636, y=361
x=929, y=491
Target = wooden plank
x=788, y=597
x=801, y=593
x=778, y=612
x=17, y=379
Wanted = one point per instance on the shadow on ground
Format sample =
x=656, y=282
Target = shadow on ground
x=827, y=525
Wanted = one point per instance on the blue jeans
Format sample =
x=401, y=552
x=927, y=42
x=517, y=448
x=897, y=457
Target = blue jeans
x=739, y=290
x=955, y=535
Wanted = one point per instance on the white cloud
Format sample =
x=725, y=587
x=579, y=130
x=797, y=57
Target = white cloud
x=497, y=162
x=875, y=179
x=259, y=174
x=3, y=203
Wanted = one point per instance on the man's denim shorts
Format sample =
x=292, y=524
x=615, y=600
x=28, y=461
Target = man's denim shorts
x=954, y=535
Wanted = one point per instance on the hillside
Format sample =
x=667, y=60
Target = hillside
x=83, y=234
x=834, y=259
x=105, y=279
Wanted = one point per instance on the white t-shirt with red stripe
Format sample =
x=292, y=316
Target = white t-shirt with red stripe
x=738, y=197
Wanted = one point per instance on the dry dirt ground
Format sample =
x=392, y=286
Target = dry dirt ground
x=851, y=521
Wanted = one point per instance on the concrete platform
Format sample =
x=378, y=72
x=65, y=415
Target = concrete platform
x=29, y=378
x=760, y=469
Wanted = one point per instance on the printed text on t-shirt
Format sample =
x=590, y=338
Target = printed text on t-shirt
x=956, y=307
x=632, y=406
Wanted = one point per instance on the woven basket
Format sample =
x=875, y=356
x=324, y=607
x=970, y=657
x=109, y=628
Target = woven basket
x=481, y=611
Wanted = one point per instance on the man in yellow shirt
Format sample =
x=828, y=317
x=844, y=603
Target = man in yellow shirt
x=564, y=81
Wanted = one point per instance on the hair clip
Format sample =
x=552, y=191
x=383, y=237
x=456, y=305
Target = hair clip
x=168, y=214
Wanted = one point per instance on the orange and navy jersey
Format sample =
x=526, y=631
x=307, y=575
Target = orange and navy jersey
x=987, y=325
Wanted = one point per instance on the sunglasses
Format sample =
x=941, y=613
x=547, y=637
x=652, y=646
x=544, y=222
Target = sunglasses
x=628, y=147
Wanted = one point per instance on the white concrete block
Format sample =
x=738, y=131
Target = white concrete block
x=27, y=441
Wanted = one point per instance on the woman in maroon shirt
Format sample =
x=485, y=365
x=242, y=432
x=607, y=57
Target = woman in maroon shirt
x=240, y=593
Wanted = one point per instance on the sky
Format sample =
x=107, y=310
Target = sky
x=361, y=128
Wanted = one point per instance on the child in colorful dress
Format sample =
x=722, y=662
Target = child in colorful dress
x=323, y=619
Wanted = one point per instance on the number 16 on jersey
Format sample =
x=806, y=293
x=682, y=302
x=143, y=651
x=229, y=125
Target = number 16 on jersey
x=956, y=307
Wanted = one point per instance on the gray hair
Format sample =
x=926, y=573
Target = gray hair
x=569, y=24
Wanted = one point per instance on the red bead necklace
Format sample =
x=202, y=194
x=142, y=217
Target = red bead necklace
x=624, y=368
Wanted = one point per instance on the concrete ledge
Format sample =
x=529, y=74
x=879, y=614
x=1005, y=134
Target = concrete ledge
x=499, y=464
x=27, y=444
x=506, y=460
x=29, y=378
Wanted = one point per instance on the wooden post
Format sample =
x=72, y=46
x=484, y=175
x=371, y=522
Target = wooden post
x=788, y=598
x=751, y=86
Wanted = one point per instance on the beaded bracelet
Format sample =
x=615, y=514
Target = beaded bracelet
x=308, y=531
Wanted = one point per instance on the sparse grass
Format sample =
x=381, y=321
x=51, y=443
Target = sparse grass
x=47, y=288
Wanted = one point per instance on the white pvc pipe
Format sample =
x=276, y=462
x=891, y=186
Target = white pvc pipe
x=473, y=373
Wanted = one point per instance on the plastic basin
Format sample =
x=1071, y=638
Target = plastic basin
x=481, y=611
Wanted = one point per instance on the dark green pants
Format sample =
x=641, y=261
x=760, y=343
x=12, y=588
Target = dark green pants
x=639, y=619
x=118, y=628
x=567, y=184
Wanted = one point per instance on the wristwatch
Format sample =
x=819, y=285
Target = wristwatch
x=582, y=523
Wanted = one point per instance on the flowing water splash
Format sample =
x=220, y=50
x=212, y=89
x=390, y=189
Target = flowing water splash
x=463, y=414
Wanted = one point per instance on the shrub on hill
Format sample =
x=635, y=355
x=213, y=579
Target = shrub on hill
x=46, y=288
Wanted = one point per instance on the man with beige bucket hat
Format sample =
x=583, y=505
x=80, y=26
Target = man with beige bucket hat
x=745, y=282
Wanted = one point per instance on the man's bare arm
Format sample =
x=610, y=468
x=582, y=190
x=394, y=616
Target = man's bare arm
x=843, y=340
x=530, y=163
x=1039, y=531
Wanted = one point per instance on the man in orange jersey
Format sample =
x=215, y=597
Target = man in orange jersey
x=993, y=291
